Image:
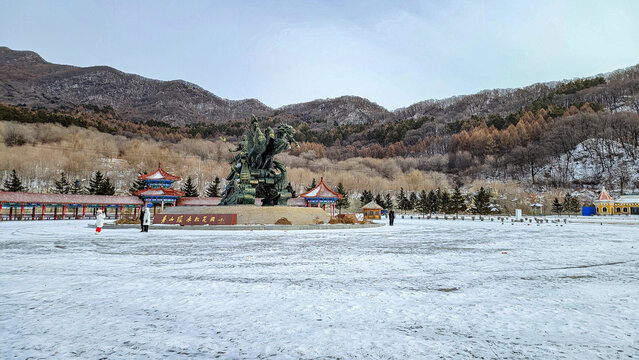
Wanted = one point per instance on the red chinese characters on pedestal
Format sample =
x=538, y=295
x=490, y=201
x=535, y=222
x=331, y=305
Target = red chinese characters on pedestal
x=195, y=219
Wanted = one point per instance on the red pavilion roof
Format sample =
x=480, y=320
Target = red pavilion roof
x=604, y=196
x=159, y=174
x=321, y=191
x=158, y=192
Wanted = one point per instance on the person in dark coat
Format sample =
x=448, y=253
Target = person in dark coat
x=142, y=218
x=391, y=217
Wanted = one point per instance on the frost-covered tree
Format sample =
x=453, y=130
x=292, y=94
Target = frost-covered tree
x=76, y=188
x=413, y=200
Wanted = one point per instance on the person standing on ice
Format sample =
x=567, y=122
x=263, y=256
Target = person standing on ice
x=99, y=221
x=146, y=220
x=391, y=218
x=142, y=212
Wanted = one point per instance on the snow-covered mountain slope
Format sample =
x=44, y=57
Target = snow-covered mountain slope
x=597, y=161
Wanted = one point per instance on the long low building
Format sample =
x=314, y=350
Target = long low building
x=34, y=206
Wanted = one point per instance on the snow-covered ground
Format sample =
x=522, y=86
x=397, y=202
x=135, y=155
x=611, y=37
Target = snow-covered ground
x=421, y=289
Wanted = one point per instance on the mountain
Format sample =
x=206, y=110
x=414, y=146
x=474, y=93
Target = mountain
x=345, y=110
x=486, y=102
x=615, y=91
x=27, y=79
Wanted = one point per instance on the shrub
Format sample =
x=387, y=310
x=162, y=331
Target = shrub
x=127, y=220
x=346, y=219
x=13, y=137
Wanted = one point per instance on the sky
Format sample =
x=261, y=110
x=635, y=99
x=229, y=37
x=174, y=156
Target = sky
x=394, y=53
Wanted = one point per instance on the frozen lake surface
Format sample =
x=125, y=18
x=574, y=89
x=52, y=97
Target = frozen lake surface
x=421, y=289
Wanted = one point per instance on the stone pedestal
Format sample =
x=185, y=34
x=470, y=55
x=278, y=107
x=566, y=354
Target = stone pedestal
x=253, y=215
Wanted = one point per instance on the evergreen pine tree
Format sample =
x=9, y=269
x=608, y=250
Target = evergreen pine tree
x=413, y=200
x=574, y=205
x=189, y=188
x=432, y=203
x=369, y=196
x=290, y=189
x=62, y=186
x=380, y=201
x=106, y=188
x=13, y=183
x=213, y=190
x=138, y=184
x=310, y=187
x=400, y=199
x=388, y=201
x=365, y=198
x=422, y=202
x=482, y=202
x=557, y=208
x=457, y=202
x=444, y=202
x=403, y=203
x=342, y=203
x=76, y=188
x=571, y=204
x=95, y=183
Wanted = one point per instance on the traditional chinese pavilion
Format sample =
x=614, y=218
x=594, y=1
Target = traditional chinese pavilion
x=372, y=211
x=321, y=196
x=159, y=191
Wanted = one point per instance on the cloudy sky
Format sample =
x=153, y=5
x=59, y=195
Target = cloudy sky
x=394, y=53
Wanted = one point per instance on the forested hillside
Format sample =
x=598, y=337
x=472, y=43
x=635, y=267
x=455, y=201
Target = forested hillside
x=533, y=135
